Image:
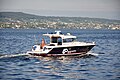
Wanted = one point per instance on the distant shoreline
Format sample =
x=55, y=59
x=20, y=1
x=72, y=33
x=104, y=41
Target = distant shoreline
x=18, y=20
x=50, y=29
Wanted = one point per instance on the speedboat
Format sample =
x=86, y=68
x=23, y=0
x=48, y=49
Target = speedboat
x=61, y=45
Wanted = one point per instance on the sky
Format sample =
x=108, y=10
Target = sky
x=109, y=9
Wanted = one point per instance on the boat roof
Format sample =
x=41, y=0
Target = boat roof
x=59, y=34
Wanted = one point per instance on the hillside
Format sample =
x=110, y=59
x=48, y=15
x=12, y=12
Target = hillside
x=17, y=15
x=23, y=20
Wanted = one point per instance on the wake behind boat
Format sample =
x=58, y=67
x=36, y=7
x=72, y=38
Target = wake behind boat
x=61, y=45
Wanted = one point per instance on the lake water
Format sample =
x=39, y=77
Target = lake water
x=105, y=65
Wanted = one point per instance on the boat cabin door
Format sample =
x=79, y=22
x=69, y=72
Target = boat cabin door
x=59, y=42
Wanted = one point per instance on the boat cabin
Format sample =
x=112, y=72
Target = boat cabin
x=58, y=38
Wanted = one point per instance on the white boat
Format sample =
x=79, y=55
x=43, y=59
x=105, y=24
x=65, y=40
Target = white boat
x=61, y=45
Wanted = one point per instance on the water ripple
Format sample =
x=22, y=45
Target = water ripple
x=102, y=63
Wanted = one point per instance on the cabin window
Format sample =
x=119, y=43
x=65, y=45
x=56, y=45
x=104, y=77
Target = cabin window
x=54, y=40
x=69, y=40
x=59, y=41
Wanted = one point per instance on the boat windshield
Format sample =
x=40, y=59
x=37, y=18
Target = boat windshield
x=68, y=40
x=54, y=39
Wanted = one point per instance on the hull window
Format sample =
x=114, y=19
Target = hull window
x=68, y=40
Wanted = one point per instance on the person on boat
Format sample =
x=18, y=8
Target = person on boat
x=42, y=43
